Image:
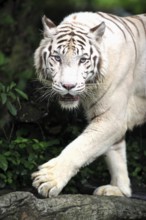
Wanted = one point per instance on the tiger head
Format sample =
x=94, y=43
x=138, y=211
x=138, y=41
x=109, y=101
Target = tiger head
x=69, y=58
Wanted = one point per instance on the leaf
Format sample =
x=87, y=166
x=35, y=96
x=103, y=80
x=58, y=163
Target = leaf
x=11, y=108
x=2, y=59
x=12, y=95
x=52, y=142
x=21, y=93
x=2, y=87
x=7, y=88
x=7, y=154
x=3, y=163
x=12, y=85
x=3, y=98
x=21, y=140
x=8, y=19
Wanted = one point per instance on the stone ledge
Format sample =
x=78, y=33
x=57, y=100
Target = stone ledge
x=25, y=206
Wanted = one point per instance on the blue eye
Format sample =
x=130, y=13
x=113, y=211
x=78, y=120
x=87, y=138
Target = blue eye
x=57, y=58
x=83, y=60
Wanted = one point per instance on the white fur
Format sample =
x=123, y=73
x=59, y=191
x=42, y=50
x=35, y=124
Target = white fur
x=120, y=104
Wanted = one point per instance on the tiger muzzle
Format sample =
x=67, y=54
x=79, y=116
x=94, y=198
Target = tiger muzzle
x=69, y=98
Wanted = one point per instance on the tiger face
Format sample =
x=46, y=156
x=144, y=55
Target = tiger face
x=69, y=59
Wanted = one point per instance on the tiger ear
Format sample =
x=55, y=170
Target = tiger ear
x=98, y=30
x=48, y=26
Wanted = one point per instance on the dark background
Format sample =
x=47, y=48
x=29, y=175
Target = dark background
x=32, y=130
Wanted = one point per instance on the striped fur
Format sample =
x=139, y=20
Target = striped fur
x=98, y=60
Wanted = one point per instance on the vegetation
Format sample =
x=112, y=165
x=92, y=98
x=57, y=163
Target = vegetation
x=31, y=131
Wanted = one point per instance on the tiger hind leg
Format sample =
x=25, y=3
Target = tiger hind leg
x=117, y=164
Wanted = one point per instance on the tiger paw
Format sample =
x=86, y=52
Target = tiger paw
x=108, y=190
x=51, y=177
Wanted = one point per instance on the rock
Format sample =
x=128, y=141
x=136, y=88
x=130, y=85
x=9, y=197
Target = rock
x=25, y=206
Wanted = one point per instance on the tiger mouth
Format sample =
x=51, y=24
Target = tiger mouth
x=69, y=98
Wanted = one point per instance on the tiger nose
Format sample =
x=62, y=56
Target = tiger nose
x=68, y=86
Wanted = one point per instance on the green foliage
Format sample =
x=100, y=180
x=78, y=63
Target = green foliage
x=135, y=6
x=19, y=158
x=3, y=59
x=136, y=160
x=10, y=94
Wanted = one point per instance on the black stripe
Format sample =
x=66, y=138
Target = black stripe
x=59, y=46
x=50, y=48
x=132, y=36
x=85, y=54
x=63, y=51
x=41, y=58
x=88, y=66
x=72, y=27
x=122, y=139
x=45, y=54
x=61, y=41
x=63, y=26
x=91, y=51
x=114, y=23
x=40, y=63
x=110, y=29
x=76, y=35
x=131, y=22
x=121, y=20
x=62, y=31
x=81, y=42
x=80, y=32
x=90, y=42
x=60, y=36
x=94, y=59
x=81, y=37
x=72, y=33
x=77, y=49
x=99, y=64
x=51, y=64
x=93, y=118
x=138, y=18
x=55, y=51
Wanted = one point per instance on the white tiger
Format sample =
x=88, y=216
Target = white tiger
x=98, y=60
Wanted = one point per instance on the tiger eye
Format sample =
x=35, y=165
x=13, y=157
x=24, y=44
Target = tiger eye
x=83, y=60
x=57, y=58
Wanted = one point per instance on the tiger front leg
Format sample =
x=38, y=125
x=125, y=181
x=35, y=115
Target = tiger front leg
x=53, y=176
x=93, y=142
